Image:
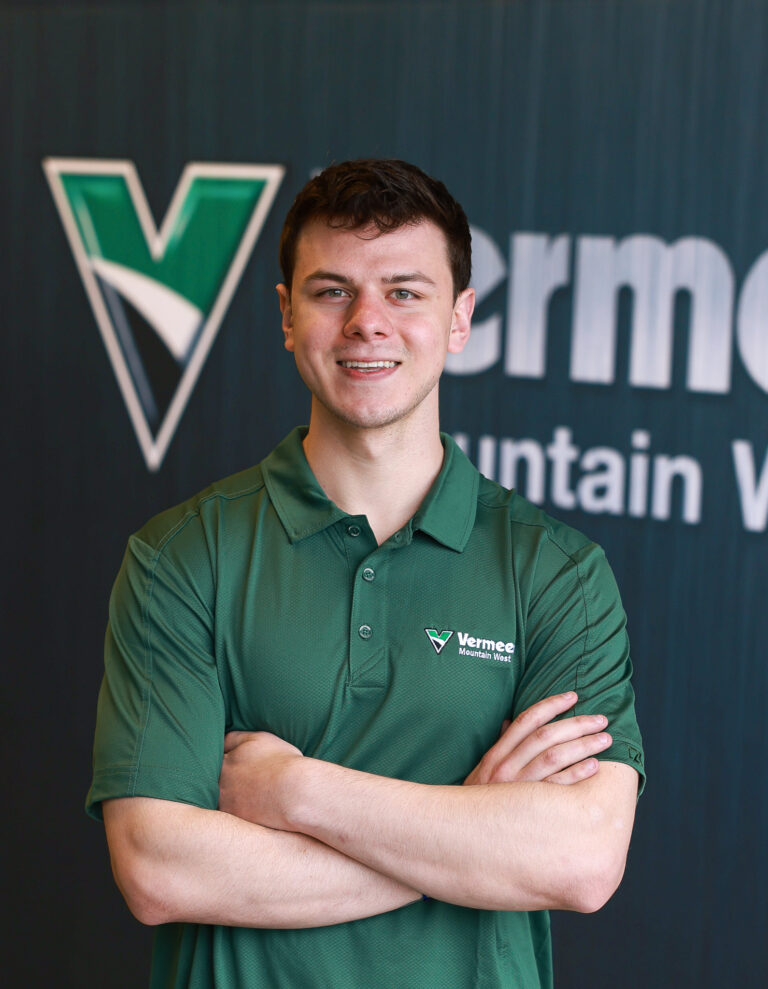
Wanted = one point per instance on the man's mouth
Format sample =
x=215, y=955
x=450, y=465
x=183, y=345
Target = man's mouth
x=368, y=365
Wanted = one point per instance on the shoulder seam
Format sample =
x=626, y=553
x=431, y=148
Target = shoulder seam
x=573, y=561
x=553, y=538
x=544, y=523
x=587, y=624
x=195, y=512
x=147, y=604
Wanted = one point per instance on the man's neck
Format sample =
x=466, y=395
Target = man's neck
x=382, y=473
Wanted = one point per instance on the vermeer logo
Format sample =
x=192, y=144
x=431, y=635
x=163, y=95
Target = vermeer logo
x=438, y=640
x=470, y=645
x=159, y=296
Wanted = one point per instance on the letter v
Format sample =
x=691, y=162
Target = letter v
x=159, y=296
x=753, y=494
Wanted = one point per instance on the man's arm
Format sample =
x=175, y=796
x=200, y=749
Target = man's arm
x=508, y=840
x=511, y=846
x=176, y=862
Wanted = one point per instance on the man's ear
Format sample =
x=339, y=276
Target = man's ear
x=461, y=320
x=285, y=309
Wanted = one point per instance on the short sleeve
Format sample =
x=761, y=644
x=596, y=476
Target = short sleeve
x=576, y=639
x=160, y=716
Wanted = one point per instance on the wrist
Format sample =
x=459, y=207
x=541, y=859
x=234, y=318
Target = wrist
x=298, y=784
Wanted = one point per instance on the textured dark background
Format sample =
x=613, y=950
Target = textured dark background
x=608, y=117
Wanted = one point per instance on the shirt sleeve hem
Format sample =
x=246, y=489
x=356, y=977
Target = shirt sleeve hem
x=628, y=753
x=159, y=782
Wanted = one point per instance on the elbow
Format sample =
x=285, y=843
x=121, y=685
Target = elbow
x=600, y=858
x=140, y=887
x=593, y=886
x=582, y=883
x=146, y=911
x=141, y=851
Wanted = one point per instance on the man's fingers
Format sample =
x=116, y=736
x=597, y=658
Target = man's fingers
x=548, y=737
x=530, y=720
x=575, y=774
x=557, y=758
x=536, y=747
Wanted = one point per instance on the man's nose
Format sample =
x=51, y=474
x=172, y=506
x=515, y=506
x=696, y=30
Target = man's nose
x=367, y=317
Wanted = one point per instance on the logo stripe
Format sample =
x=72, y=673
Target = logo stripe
x=165, y=278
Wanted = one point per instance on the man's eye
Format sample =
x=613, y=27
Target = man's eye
x=333, y=293
x=403, y=294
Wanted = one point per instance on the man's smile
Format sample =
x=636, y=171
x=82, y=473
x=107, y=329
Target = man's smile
x=367, y=365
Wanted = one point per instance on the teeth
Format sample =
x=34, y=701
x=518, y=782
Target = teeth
x=368, y=365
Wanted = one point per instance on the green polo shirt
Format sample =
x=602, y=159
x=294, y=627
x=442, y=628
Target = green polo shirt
x=260, y=605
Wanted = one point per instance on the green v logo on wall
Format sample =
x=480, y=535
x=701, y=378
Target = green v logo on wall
x=159, y=296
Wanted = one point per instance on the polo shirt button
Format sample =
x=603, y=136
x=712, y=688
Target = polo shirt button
x=369, y=574
x=365, y=631
x=353, y=530
x=397, y=536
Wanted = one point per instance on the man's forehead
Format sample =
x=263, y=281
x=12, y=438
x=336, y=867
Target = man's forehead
x=322, y=237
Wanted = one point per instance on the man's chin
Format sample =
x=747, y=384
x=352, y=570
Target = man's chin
x=364, y=418
x=376, y=415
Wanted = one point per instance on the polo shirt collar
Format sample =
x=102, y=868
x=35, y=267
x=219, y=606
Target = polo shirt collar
x=301, y=504
x=447, y=514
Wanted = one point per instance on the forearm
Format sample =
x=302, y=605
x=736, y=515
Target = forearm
x=174, y=862
x=512, y=846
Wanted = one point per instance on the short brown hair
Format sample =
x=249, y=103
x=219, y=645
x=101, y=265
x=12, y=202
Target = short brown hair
x=387, y=193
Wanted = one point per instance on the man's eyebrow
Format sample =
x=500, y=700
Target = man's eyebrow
x=327, y=276
x=409, y=276
x=320, y=275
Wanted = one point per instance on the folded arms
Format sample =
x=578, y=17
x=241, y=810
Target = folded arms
x=298, y=842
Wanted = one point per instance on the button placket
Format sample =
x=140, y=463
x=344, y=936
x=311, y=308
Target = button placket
x=368, y=647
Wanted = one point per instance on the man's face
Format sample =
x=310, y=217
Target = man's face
x=370, y=318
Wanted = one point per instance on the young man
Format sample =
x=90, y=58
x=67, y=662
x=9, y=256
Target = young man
x=329, y=733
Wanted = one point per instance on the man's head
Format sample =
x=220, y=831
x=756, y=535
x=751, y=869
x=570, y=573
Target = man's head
x=384, y=193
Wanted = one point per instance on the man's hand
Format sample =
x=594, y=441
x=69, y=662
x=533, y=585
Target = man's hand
x=535, y=748
x=508, y=847
x=253, y=767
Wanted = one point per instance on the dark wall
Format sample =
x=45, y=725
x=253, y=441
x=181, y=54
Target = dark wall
x=628, y=138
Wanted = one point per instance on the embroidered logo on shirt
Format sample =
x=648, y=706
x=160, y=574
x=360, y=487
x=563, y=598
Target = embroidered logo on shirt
x=438, y=639
x=472, y=645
